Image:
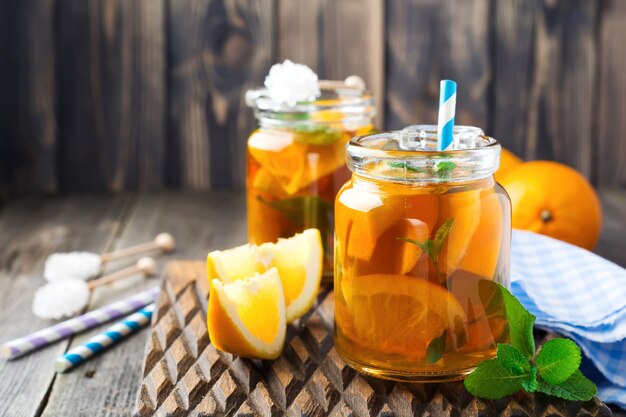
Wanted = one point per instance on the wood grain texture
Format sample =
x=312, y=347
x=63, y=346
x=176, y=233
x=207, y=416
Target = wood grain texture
x=192, y=220
x=336, y=38
x=431, y=40
x=217, y=49
x=611, y=123
x=184, y=374
x=613, y=237
x=35, y=140
x=545, y=74
x=112, y=86
x=8, y=98
x=31, y=230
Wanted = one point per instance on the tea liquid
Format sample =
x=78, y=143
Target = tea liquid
x=415, y=277
x=293, y=178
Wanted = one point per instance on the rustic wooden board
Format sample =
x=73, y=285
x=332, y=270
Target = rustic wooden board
x=184, y=374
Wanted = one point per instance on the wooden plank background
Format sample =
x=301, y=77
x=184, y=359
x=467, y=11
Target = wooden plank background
x=110, y=95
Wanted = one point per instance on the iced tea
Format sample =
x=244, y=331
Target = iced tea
x=422, y=238
x=296, y=166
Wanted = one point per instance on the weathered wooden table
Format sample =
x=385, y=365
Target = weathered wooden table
x=31, y=229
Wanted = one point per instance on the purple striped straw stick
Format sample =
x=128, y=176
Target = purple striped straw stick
x=71, y=327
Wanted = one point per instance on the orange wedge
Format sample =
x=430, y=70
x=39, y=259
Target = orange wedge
x=464, y=208
x=247, y=316
x=366, y=218
x=298, y=261
x=481, y=255
x=233, y=264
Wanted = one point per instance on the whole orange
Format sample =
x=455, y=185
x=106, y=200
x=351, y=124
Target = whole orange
x=508, y=161
x=555, y=200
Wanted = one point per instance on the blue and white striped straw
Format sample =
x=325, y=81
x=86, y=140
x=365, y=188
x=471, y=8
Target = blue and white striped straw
x=447, y=109
x=100, y=342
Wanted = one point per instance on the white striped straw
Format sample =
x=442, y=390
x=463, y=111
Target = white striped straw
x=447, y=109
x=109, y=337
x=71, y=327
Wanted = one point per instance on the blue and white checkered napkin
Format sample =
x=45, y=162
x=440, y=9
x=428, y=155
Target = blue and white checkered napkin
x=579, y=294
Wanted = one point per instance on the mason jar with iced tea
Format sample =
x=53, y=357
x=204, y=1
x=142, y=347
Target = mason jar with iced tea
x=296, y=161
x=422, y=239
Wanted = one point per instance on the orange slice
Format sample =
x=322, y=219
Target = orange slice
x=398, y=314
x=247, y=316
x=483, y=250
x=234, y=264
x=361, y=217
x=464, y=208
x=298, y=261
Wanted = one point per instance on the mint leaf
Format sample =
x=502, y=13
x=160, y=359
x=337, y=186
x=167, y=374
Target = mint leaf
x=317, y=135
x=575, y=388
x=512, y=359
x=444, y=168
x=404, y=165
x=531, y=384
x=436, y=347
x=492, y=381
x=557, y=360
x=442, y=234
x=426, y=246
x=432, y=247
x=520, y=324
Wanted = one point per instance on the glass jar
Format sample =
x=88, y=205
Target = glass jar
x=422, y=237
x=296, y=162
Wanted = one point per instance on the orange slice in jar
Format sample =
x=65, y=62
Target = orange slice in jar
x=278, y=154
x=265, y=181
x=483, y=250
x=482, y=302
x=464, y=208
x=361, y=217
x=398, y=314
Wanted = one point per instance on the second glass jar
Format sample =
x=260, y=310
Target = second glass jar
x=296, y=163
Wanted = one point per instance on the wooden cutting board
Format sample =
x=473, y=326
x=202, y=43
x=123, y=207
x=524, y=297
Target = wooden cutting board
x=185, y=375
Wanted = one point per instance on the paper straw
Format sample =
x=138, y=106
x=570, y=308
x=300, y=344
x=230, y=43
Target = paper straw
x=100, y=342
x=71, y=327
x=447, y=108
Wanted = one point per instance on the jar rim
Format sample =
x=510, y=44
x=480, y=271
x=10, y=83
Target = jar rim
x=410, y=155
x=338, y=103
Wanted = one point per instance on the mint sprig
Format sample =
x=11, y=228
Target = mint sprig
x=443, y=169
x=405, y=166
x=432, y=247
x=554, y=370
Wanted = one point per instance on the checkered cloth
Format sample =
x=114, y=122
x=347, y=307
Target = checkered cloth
x=581, y=295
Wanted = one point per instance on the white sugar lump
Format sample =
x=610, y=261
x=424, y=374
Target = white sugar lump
x=289, y=83
x=57, y=300
x=72, y=265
